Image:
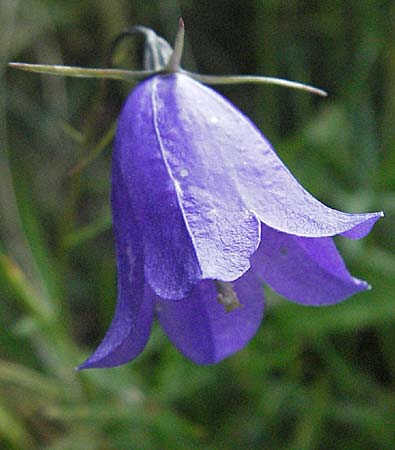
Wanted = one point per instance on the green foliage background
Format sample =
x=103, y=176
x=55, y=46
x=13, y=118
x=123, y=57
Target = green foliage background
x=311, y=378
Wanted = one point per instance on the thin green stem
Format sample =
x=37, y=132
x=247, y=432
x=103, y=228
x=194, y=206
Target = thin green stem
x=95, y=151
x=251, y=79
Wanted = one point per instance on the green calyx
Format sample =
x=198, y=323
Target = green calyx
x=159, y=59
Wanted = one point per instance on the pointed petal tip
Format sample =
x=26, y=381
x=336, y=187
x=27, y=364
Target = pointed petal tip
x=364, y=227
x=98, y=363
x=105, y=359
x=81, y=367
x=355, y=286
x=93, y=363
x=361, y=285
x=89, y=363
x=125, y=339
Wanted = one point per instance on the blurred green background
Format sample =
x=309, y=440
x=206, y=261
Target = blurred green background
x=312, y=378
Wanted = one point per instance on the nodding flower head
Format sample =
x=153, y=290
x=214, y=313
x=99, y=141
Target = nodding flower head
x=204, y=211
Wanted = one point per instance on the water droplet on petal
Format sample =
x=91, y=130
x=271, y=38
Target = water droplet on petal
x=214, y=119
x=184, y=173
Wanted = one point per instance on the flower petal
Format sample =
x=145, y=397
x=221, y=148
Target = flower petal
x=131, y=326
x=224, y=231
x=200, y=327
x=265, y=184
x=194, y=223
x=309, y=271
x=171, y=265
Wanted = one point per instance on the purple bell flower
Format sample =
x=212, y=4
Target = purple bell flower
x=204, y=212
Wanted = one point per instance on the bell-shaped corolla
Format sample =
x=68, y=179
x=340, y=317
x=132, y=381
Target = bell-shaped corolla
x=204, y=211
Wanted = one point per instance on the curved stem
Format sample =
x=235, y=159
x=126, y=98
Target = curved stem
x=130, y=31
x=159, y=49
x=251, y=79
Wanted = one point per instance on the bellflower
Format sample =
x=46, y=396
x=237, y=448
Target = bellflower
x=204, y=211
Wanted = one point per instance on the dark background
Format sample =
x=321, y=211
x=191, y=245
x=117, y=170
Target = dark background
x=312, y=378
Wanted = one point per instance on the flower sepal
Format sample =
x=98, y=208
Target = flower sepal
x=159, y=59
